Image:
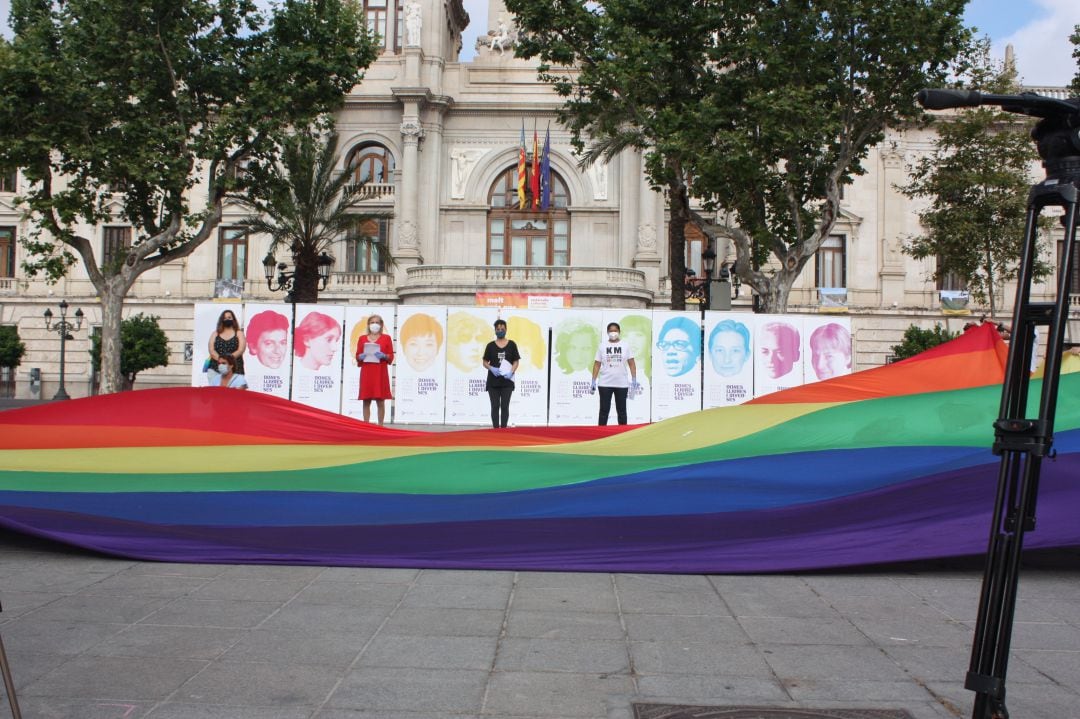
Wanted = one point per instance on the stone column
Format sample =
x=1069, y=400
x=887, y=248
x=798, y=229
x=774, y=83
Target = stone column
x=650, y=229
x=407, y=247
x=892, y=206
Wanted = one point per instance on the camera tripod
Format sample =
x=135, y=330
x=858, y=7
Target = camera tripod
x=1021, y=441
x=9, y=682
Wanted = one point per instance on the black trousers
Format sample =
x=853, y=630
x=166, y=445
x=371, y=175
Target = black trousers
x=500, y=405
x=605, y=403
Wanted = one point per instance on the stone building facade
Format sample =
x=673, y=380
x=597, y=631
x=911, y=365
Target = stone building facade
x=436, y=141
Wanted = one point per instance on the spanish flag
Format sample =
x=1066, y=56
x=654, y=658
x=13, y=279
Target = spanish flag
x=534, y=179
x=521, y=170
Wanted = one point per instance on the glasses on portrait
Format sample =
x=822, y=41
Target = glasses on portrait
x=678, y=345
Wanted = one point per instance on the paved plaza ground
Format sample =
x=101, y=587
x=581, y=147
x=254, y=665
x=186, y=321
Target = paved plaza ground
x=92, y=637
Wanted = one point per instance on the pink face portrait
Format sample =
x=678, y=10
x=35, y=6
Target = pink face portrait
x=321, y=349
x=272, y=347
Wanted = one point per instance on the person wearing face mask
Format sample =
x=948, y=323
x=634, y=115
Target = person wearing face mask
x=374, y=353
x=609, y=374
x=227, y=374
x=501, y=358
x=227, y=339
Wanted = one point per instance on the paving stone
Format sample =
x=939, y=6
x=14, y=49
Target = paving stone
x=791, y=662
x=786, y=630
x=61, y=637
x=171, y=642
x=577, y=580
x=472, y=578
x=691, y=602
x=698, y=658
x=138, y=584
x=710, y=688
x=335, y=649
x=322, y=618
x=907, y=630
x=381, y=689
x=564, y=625
x=564, y=599
x=861, y=692
x=430, y=652
x=368, y=575
x=666, y=627
x=1045, y=635
x=98, y=608
x=115, y=678
x=54, y=708
x=457, y=596
x=178, y=710
x=352, y=594
x=412, y=621
x=190, y=612
x=595, y=656
x=260, y=684
x=249, y=590
x=544, y=694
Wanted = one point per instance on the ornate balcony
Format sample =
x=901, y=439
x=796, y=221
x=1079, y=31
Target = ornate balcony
x=589, y=286
x=375, y=192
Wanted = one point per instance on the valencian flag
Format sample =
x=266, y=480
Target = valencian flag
x=545, y=173
x=521, y=170
x=534, y=178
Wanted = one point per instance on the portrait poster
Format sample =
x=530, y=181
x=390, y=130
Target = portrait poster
x=575, y=338
x=827, y=347
x=635, y=329
x=317, y=356
x=728, y=359
x=356, y=323
x=268, y=359
x=676, y=361
x=468, y=331
x=778, y=355
x=529, y=331
x=207, y=315
x=420, y=377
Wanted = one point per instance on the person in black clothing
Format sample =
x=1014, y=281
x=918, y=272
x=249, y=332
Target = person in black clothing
x=501, y=360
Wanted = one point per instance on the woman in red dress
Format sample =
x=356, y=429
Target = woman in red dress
x=374, y=368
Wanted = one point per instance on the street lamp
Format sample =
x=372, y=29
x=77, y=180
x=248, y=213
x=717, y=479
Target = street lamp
x=287, y=280
x=63, y=328
x=708, y=266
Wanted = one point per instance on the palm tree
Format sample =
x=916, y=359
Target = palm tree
x=308, y=206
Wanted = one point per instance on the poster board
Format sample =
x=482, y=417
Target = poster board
x=778, y=353
x=676, y=361
x=207, y=315
x=636, y=330
x=268, y=360
x=356, y=318
x=468, y=330
x=728, y=361
x=420, y=375
x=317, y=356
x=827, y=347
x=575, y=337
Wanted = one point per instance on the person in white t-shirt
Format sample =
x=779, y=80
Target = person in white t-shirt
x=609, y=373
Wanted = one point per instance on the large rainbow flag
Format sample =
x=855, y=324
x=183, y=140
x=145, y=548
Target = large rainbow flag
x=885, y=465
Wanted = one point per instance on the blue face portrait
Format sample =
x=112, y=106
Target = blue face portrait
x=679, y=345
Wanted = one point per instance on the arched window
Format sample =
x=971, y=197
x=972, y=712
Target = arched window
x=372, y=163
x=531, y=236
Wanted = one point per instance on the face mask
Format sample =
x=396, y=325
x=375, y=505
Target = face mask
x=223, y=368
x=374, y=327
x=500, y=334
x=613, y=336
x=228, y=323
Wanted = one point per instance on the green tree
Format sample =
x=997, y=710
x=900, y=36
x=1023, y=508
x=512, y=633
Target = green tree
x=1075, y=38
x=763, y=109
x=153, y=104
x=12, y=347
x=143, y=345
x=305, y=206
x=917, y=340
x=977, y=181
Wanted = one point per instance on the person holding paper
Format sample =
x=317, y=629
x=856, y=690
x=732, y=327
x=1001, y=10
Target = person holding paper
x=374, y=353
x=609, y=374
x=501, y=358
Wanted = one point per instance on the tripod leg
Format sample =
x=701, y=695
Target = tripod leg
x=9, y=683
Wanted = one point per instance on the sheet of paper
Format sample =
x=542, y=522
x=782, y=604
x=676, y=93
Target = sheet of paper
x=370, y=348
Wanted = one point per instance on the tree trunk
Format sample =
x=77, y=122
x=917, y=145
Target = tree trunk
x=774, y=300
x=306, y=280
x=112, y=311
x=679, y=208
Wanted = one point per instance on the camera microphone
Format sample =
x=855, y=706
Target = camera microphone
x=946, y=99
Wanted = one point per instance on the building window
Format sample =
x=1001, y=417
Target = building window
x=232, y=253
x=696, y=242
x=1074, y=280
x=362, y=256
x=116, y=241
x=8, y=180
x=371, y=163
x=831, y=262
x=399, y=33
x=7, y=251
x=950, y=281
x=529, y=236
x=375, y=11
